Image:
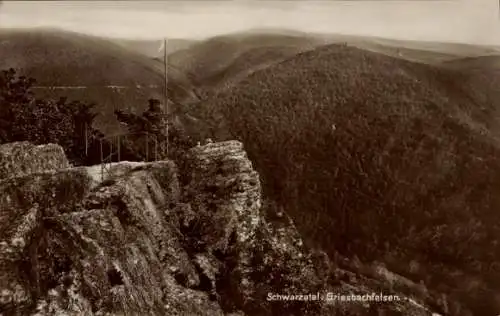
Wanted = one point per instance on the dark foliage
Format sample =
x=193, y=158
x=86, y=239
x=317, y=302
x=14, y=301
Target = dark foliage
x=24, y=118
x=148, y=134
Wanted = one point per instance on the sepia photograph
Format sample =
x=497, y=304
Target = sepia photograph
x=250, y=158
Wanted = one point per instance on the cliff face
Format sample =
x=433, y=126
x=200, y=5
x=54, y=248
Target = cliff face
x=158, y=239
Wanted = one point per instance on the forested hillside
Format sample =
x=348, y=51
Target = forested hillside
x=379, y=157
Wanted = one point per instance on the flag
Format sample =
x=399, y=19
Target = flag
x=162, y=46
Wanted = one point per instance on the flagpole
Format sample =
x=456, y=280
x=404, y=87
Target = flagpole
x=165, y=101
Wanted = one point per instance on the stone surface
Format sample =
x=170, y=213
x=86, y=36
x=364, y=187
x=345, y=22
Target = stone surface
x=158, y=239
x=22, y=158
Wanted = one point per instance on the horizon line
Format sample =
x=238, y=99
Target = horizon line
x=256, y=30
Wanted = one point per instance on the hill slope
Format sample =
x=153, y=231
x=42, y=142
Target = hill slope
x=380, y=157
x=430, y=52
x=479, y=63
x=89, y=69
x=208, y=60
x=481, y=78
x=246, y=63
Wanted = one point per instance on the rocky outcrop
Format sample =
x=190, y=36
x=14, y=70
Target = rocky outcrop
x=22, y=158
x=161, y=239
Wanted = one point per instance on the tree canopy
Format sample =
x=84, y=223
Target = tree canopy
x=149, y=132
x=25, y=118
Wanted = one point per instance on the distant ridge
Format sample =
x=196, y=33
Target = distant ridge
x=150, y=48
x=221, y=61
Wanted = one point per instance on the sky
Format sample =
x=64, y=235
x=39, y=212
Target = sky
x=466, y=21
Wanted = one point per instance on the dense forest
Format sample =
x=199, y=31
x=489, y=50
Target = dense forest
x=379, y=157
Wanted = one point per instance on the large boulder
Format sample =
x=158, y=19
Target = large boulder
x=22, y=158
x=24, y=204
